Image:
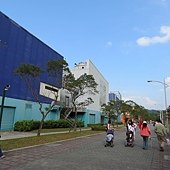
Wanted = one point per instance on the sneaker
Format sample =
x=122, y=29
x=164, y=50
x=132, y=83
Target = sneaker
x=3, y=156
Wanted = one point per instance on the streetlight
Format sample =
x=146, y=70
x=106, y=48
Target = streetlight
x=165, y=86
x=2, y=104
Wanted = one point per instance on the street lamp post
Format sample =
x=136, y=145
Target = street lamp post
x=161, y=116
x=2, y=104
x=165, y=86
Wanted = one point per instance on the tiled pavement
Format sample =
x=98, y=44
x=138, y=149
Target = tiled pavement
x=89, y=153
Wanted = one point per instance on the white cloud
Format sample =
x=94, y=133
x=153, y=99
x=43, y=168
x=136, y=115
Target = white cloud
x=142, y=100
x=109, y=44
x=146, y=41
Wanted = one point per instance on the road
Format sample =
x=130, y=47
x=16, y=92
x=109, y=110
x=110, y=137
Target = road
x=89, y=153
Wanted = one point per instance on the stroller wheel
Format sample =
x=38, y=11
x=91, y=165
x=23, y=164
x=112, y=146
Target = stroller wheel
x=127, y=145
x=112, y=144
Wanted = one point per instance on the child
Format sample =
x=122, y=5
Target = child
x=110, y=137
x=130, y=134
x=1, y=154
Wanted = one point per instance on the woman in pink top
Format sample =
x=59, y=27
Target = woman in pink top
x=145, y=133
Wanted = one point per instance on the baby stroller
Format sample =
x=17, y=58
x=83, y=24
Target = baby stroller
x=129, y=139
x=109, y=138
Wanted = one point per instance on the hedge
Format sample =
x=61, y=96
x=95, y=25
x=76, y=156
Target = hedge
x=29, y=125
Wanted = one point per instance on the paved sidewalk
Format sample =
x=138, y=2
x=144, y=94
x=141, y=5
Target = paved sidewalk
x=89, y=153
x=15, y=134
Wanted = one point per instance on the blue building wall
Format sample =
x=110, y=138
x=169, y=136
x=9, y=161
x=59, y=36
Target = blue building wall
x=92, y=117
x=18, y=46
x=16, y=110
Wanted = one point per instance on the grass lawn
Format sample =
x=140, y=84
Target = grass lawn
x=36, y=140
x=57, y=130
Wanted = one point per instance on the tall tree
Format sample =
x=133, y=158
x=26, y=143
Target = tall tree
x=109, y=110
x=136, y=110
x=31, y=73
x=76, y=87
x=85, y=84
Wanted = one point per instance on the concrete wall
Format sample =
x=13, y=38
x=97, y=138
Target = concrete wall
x=93, y=111
x=17, y=110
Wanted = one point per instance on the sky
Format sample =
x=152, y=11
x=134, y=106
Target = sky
x=127, y=40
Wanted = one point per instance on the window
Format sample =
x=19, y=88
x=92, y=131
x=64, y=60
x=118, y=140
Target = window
x=28, y=106
x=51, y=89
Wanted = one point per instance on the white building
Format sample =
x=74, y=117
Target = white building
x=93, y=111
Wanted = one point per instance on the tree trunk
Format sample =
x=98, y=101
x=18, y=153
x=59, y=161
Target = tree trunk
x=75, y=122
x=40, y=127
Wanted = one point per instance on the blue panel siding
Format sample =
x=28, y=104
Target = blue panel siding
x=23, y=110
x=92, y=119
x=81, y=117
x=27, y=110
x=93, y=112
x=53, y=115
x=18, y=46
x=8, y=118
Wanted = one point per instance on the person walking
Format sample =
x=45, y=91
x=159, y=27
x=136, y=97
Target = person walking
x=109, y=124
x=140, y=123
x=1, y=154
x=145, y=132
x=161, y=133
x=131, y=126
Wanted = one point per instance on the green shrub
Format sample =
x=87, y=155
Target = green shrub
x=80, y=124
x=24, y=125
x=98, y=127
x=98, y=124
x=62, y=123
x=36, y=124
x=50, y=124
x=28, y=125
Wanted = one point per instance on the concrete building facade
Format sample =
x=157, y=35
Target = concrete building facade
x=93, y=111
